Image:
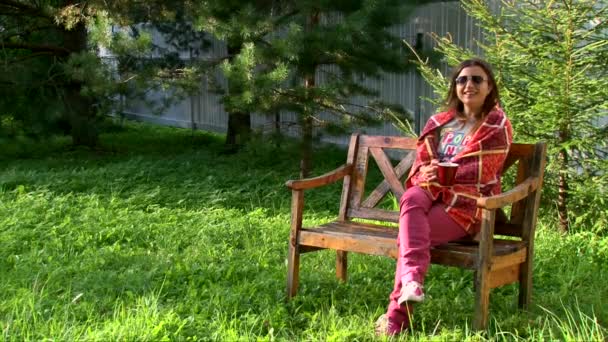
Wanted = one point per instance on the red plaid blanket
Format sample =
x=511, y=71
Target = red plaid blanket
x=480, y=165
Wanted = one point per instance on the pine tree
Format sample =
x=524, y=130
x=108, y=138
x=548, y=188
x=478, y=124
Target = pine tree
x=236, y=23
x=32, y=42
x=50, y=69
x=344, y=41
x=550, y=60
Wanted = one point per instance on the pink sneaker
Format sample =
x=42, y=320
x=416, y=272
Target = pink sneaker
x=411, y=292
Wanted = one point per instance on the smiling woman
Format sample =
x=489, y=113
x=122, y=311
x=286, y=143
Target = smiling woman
x=474, y=135
x=473, y=91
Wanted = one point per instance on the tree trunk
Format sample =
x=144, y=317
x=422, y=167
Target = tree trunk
x=562, y=198
x=80, y=113
x=239, y=123
x=306, y=147
x=277, y=135
x=239, y=130
x=306, y=144
x=306, y=121
x=81, y=117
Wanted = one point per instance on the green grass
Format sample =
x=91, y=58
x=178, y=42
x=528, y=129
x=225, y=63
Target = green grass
x=160, y=236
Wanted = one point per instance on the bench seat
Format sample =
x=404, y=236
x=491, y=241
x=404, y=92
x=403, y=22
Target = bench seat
x=355, y=237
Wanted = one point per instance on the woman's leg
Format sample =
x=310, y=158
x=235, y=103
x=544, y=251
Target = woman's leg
x=422, y=224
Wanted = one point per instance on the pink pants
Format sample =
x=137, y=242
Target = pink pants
x=422, y=224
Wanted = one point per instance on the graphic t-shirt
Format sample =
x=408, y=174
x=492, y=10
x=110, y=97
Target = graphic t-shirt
x=453, y=137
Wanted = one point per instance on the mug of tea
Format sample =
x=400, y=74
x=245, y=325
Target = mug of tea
x=446, y=173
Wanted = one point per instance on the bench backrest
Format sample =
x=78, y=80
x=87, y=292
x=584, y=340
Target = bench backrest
x=355, y=203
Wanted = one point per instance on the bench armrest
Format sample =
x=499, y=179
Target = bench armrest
x=517, y=193
x=328, y=178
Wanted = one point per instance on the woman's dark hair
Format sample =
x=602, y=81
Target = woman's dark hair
x=453, y=102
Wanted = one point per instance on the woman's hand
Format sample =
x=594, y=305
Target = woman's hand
x=428, y=172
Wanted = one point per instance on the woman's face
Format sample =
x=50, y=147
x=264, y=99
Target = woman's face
x=472, y=88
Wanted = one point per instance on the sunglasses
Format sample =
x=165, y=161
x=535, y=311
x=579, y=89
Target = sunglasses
x=462, y=80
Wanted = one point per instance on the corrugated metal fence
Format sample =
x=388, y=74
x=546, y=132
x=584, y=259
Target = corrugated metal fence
x=204, y=110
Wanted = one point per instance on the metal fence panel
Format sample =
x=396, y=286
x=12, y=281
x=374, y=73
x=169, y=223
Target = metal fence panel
x=205, y=111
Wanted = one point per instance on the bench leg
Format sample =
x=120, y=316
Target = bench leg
x=293, y=270
x=525, y=284
x=482, y=300
x=341, y=265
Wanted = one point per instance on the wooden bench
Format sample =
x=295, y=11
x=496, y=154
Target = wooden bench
x=496, y=261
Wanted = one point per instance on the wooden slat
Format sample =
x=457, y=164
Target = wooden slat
x=293, y=256
x=350, y=242
x=342, y=265
x=374, y=214
x=325, y=179
x=510, y=161
x=498, y=242
x=521, y=150
x=297, y=207
x=501, y=247
x=522, y=174
x=380, y=191
x=346, y=187
x=516, y=152
x=394, y=142
x=530, y=211
x=482, y=271
x=385, y=166
x=449, y=257
x=514, y=258
x=454, y=255
x=308, y=249
x=519, y=192
x=504, y=276
x=358, y=177
x=529, y=226
x=359, y=228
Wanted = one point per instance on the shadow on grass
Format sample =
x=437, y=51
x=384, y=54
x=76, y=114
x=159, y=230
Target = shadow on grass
x=174, y=168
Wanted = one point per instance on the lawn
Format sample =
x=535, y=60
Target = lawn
x=158, y=235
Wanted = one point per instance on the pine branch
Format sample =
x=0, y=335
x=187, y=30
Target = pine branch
x=27, y=31
x=259, y=38
x=36, y=48
x=18, y=5
x=212, y=62
x=50, y=82
x=336, y=107
x=30, y=56
x=284, y=18
x=24, y=8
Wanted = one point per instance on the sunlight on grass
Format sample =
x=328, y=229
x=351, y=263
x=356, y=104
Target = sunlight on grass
x=161, y=236
x=574, y=325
